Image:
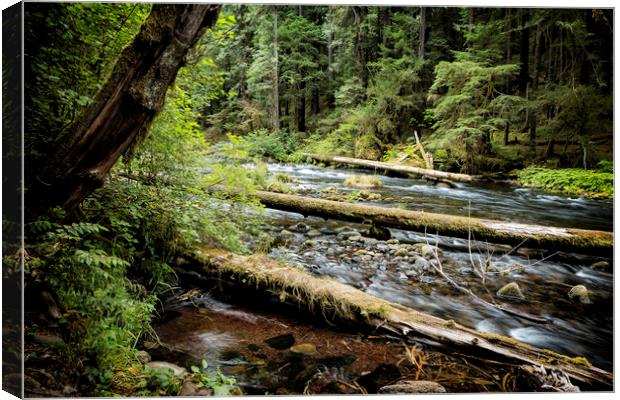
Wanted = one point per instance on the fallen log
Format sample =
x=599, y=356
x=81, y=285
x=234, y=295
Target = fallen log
x=549, y=238
x=338, y=301
x=427, y=173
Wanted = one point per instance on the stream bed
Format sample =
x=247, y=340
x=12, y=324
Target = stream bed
x=404, y=271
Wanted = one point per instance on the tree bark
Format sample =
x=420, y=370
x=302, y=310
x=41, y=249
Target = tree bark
x=422, y=43
x=429, y=173
x=276, y=79
x=123, y=109
x=524, y=55
x=350, y=305
x=500, y=232
x=301, y=108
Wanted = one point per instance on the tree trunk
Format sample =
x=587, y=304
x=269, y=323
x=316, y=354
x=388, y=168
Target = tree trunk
x=123, y=109
x=533, y=115
x=316, y=101
x=347, y=304
x=276, y=80
x=532, y=236
x=422, y=42
x=301, y=108
x=524, y=72
x=377, y=165
x=330, y=60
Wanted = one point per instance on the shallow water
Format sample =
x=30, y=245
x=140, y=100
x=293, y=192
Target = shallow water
x=571, y=328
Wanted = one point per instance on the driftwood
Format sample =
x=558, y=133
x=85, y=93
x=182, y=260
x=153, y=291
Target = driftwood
x=549, y=238
x=344, y=303
x=427, y=173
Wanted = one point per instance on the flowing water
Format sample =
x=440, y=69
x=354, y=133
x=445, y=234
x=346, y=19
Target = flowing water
x=397, y=271
x=390, y=271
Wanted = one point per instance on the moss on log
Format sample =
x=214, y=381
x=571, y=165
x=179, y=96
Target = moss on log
x=427, y=173
x=340, y=301
x=548, y=238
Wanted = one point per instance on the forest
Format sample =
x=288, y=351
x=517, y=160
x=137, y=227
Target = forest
x=248, y=199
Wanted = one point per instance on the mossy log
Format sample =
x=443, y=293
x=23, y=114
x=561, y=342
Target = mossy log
x=338, y=301
x=427, y=173
x=536, y=236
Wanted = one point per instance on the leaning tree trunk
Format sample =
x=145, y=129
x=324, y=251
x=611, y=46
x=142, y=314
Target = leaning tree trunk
x=126, y=105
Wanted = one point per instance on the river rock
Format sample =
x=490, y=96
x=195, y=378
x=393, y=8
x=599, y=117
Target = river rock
x=310, y=243
x=403, y=387
x=427, y=250
x=313, y=233
x=581, y=293
x=300, y=227
x=177, y=370
x=285, y=232
x=379, y=232
x=402, y=252
x=511, y=290
x=281, y=342
x=303, y=348
x=189, y=389
x=421, y=264
x=393, y=241
x=600, y=266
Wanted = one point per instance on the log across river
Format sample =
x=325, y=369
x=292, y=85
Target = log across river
x=549, y=238
x=345, y=303
x=427, y=173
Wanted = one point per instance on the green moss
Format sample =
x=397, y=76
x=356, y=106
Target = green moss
x=553, y=356
x=589, y=183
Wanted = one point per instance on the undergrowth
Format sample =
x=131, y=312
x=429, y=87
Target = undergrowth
x=572, y=181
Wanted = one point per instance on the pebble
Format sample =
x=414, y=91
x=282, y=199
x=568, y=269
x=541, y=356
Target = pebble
x=281, y=342
x=393, y=241
x=313, y=233
x=401, y=252
x=304, y=348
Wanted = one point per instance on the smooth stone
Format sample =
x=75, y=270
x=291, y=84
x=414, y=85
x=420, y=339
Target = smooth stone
x=313, y=233
x=300, y=227
x=285, y=232
x=401, y=252
x=581, y=293
x=177, y=370
x=421, y=264
x=393, y=241
x=600, y=266
x=281, y=342
x=304, y=348
x=310, y=243
x=379, y=233
x=413, y=387
x=511, y=290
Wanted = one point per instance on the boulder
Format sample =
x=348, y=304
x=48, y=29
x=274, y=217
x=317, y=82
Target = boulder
x=143, y=356
x=281, y=342
x=363, y=181
x=403, y=387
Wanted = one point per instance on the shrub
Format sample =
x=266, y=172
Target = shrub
x=589, y=183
